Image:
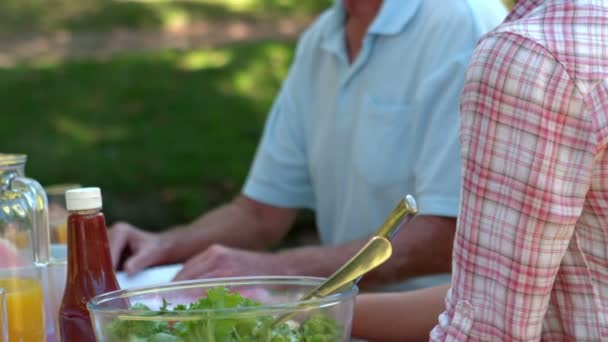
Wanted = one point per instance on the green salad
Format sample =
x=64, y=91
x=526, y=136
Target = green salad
x=317, y=328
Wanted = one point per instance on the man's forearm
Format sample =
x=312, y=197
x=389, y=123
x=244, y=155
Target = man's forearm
x=423, y=246
x=318, y=261
x=233, y=224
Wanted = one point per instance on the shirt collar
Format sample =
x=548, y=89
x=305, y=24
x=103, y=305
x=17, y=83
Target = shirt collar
x=333, y=35
x=394, y=15
x=392, y=18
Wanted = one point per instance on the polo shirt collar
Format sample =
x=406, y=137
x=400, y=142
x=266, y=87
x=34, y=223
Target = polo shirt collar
x=392, y=18
x=394, y=15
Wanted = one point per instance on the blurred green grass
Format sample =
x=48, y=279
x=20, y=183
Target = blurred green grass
x=102, y=15
x=165, y=134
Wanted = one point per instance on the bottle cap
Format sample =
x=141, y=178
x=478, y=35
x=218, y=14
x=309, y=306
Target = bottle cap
x=83, y=199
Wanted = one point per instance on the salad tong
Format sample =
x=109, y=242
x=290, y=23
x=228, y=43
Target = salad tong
x=377, y=250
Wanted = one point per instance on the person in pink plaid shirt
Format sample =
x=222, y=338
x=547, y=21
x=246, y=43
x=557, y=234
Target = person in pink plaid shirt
x=530, y=258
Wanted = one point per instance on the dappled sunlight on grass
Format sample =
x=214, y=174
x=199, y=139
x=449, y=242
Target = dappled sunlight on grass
x=85, y=133
x=174, y=17
x=96, y=15
x=255, y=6
x=280, y=56
x=203, y=59
x=166, y=134
x=273, y=66
x=235, y=5
x=183, y=124
x=40, y=64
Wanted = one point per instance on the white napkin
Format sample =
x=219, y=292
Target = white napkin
x=151, y=276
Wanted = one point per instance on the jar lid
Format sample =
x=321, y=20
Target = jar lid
x=83, y=199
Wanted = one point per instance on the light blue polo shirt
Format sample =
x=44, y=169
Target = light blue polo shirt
x=350, y=140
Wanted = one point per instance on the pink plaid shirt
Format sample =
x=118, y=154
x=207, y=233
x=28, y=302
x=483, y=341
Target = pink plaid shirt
x=531, y=249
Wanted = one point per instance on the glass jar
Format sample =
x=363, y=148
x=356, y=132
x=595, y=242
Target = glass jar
x=24, y=253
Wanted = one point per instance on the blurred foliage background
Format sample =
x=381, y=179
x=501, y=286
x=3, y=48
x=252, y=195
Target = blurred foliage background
x=510, y=3
x=96, y=15
x=166, y=133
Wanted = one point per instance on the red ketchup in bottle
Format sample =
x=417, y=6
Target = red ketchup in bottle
x=90, y=271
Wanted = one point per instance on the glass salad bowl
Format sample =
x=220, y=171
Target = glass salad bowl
x=224, y=309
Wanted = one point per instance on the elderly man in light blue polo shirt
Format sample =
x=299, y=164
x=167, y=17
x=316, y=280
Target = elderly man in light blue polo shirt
x=367, y=114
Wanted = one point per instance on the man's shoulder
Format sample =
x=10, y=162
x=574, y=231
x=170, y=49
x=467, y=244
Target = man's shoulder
x=487, y=14
x=453, y=27
x=480, y=15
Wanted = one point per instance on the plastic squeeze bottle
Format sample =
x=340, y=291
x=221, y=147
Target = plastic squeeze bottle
x=90, y=272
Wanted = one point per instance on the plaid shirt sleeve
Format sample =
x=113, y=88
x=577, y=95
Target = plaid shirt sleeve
x=527, y=159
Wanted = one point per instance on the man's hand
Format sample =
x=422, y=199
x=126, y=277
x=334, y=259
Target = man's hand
x=143, y=249
x=242, y=223
x=219, y=261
